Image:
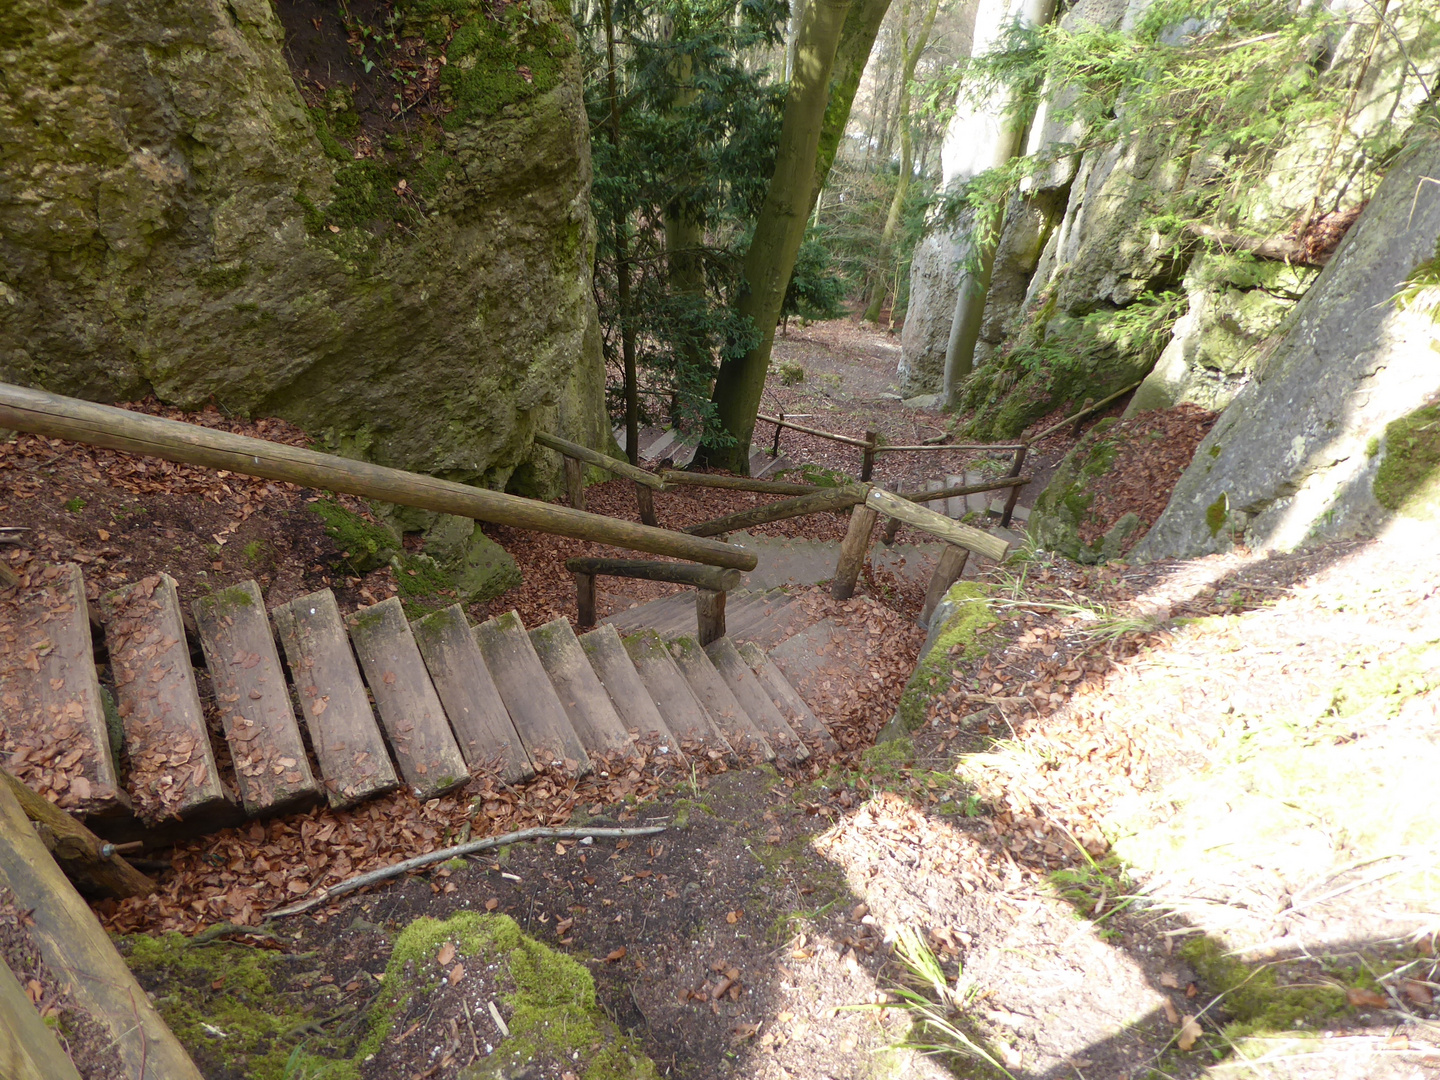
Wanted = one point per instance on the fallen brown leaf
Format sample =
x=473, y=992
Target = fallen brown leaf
x=1190, y=1031
x=446, y=954
x=1365, y=999
x=617, y=955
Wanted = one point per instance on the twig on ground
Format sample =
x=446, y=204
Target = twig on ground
x=385, y=873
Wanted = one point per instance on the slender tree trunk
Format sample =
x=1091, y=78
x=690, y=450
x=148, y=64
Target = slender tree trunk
x=909, y=58
x=975, y=282
x=622, y=262
x=853, y=53
x=684, y=235
x=781, y=224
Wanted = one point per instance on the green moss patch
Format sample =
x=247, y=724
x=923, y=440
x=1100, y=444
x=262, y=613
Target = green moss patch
x=364, y=545
x=1255, y=999
x=231, y=1008
x=970, y=616
x=1408, y=480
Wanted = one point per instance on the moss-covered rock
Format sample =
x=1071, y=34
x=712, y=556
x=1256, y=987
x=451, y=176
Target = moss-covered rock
x=478, y=568
x=1408, y=479
x=1062, y=360
x=1064, y=506
x=958, y=622
x=417, y=294
x=364, y=545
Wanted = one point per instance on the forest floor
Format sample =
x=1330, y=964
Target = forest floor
x=1177, y=819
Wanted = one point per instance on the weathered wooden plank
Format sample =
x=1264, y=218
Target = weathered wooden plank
x=53, y=734
x=265, y=742
x=947, y=572
x=172, y=765
x=976, y=540
x=822, y=501
x=529, y=697
x=482, y=727
x=71, y=941
x=755, y=700
x=354, y=764
x=787, y=699
x=616, y=671
x=425, y=748
x=28, y=1048
x=710, y=690
x=853, y=550
x=591, y=712
x=687, y=719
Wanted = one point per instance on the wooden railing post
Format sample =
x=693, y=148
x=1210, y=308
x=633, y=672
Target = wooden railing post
x=709, y=615
x=1015, y=467
x=575, y=483
x=852, y=552
x=775, y=450
x=646, y=498
x=892, y=526
x=585, y=599
x=867, y=459
x=947, y=572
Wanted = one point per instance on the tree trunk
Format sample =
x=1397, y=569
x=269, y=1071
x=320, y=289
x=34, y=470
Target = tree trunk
x=909, y=58
x=856, y=41
x=622, y=262
x=781, y=225
x=1005, y=128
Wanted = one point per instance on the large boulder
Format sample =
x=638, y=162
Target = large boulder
x=391, y=248
x=1297, y=454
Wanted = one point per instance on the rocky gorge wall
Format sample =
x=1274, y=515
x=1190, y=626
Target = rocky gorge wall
x=1184, y=264
x=371, y=221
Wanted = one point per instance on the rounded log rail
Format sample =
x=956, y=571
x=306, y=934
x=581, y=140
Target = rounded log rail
x=41, y=413
x=599, y=460
x=840, y=498
x=702, y=577
x=737, y=483
x=711, y=583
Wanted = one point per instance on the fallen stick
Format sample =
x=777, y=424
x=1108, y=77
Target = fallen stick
x=455, y=852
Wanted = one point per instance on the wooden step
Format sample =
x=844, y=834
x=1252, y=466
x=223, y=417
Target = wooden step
x=482, y=727
x=265, y=742
x=354, y=764
x=616, y=671
x=410, y=709
x=172, y=765
x=727, y=713
x=539, y=716
x=687, y=719
x=756, y=702
x=53, y=734
x=787, y=699
x=676, y=612
x=591, y=712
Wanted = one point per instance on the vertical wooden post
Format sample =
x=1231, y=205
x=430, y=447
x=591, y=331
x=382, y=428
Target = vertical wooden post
x=575, y=483
x=646, y=498
x=1014, y=491
x=892, y=525
x=1080, y=417
x=709, y=615
x=775, y=450
x=585, y=599
x=852, y=552
x=867, y=460
x=947, y=572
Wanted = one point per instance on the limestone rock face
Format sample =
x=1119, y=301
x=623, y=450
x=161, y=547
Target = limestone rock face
x=177, y=218
x=1296, y=454
x=934, y=280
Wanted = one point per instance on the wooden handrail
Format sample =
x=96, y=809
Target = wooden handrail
x=885, y=449
x=736, y=483
x=1082, y=413
x=702, y=577
x=818, y=502
x=599, y=460
x=59, y=417
x=846, y=439
x=964, y=489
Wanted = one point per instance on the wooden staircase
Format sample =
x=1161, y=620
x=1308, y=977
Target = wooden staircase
x=381, y=700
